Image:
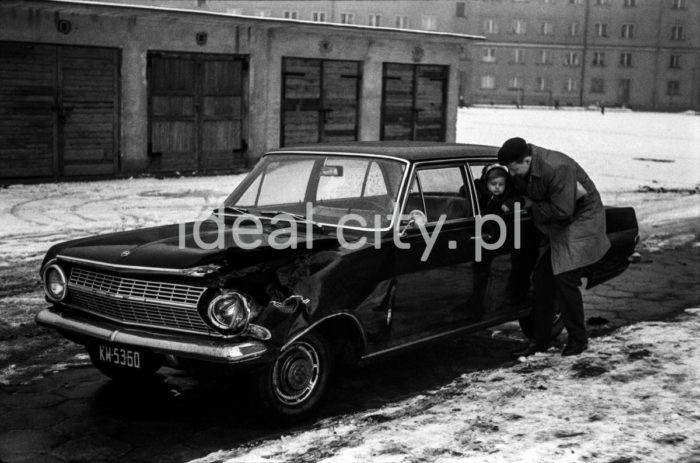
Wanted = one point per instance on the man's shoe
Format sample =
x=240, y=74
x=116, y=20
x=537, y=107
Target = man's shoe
x=531, y=349
x=574, y=348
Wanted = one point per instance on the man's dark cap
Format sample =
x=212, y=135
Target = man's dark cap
x=512, y=150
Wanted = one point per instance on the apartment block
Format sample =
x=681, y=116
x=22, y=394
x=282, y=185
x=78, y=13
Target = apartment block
x=640, y=54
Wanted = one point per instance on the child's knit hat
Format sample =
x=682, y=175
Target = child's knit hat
x=494, y=170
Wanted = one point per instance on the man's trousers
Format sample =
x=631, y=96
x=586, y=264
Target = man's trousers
x=562, y=290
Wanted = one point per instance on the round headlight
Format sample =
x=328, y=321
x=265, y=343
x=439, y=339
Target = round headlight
x=55, y=284
x=229, y=312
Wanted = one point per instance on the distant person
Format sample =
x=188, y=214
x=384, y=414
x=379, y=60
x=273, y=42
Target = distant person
x=556, y=104
x=566, y=207
x=602, y=108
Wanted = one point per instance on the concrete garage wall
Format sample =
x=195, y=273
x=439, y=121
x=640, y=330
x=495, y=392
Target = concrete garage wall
x=136, y=31
x=135, y=35
x=371, y=52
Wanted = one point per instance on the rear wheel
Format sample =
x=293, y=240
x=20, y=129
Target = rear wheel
x=148, y=364
x=294, y=383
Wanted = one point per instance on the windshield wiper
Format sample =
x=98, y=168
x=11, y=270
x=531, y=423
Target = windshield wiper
x=236, y=210
x=299, y=217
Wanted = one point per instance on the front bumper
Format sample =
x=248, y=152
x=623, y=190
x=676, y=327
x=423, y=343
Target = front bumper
x=214, y=350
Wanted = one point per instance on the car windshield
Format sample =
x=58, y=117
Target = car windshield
x=352, y=191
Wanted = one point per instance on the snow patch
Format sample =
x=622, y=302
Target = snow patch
x=631, y=397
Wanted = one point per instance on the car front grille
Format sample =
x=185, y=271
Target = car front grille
x=141, y=302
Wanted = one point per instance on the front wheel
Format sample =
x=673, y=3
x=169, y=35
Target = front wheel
x=294, y=383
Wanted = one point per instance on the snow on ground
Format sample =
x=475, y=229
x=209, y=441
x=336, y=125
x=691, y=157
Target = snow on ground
x=633, y=396
x=33, y=217
x=621, y=151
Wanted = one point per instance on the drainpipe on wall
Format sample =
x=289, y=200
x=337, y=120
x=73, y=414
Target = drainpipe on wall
x=657, y=56
x=585, y=50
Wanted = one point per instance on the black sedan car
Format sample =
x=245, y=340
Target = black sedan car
x=323, y=253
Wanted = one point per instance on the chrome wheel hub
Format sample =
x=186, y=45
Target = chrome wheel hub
x=295, y=374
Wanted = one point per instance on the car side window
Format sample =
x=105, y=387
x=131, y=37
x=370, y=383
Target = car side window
x=440, y=191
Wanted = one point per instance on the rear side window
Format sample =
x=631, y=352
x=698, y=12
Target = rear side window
x=440, y=191
x=477, y=171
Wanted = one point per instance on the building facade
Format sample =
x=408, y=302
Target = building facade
x=642, y=54
x=90, y=89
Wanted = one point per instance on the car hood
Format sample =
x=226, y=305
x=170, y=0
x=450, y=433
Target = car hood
x=183, y=246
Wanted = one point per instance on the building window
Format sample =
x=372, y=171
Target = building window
x=627, y=31
x=490, y=26
x=573, y=29
x=625, y=60
x=374, y=19
x=318, y=16
x=601, y=30
x=629, y=3
x=544, y=57
x=679, y=5
x=598, y=58
x=347, y=18
x=675, y=62
x=461, y=10
x=488, y=82
x=597, y=85
x=291, y=15
x=263, y=13
x=546, y=28
x=677, y=33
x=571, y=85
x=489, y=55
x=571, y=59
x=402, y=22
x=518, y=56
x=201, y=2
x=519, y=27
x=515, y=83
x=541, y=84
x=429, y=22
x=673, y=88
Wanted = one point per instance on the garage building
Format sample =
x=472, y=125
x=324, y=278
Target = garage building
x=100, y=90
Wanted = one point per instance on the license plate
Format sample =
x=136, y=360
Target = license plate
x=120, y=356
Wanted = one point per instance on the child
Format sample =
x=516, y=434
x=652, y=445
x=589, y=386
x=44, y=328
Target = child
x=496, y=194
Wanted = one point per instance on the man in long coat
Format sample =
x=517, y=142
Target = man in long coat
x=566, y=207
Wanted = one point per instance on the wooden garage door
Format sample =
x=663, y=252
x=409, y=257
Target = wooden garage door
x=88, y=111
x=320, y=100
x=413, y=102
x=196, y=112
x=58, y=111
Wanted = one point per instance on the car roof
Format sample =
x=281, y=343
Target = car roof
x=413, y=151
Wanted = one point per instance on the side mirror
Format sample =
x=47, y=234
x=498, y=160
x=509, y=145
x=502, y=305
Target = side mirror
x=416, y=218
